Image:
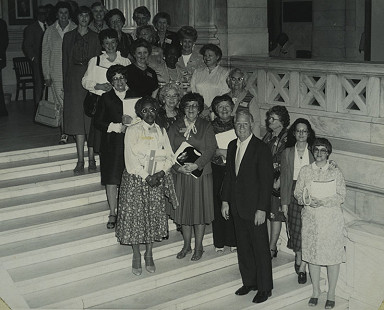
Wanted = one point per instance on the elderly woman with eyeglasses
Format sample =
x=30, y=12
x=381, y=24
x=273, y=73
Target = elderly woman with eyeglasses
x=321, y=189
x=277, y=122
x=168, y=113
x=109, y=120
x=243, y=98
x=146, y=185
x=195, y=194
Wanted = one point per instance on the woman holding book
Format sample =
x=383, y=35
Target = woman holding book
x=195, y=194
x=321, y=189
x=223, y=230
x=145, y=186
x=108, y=120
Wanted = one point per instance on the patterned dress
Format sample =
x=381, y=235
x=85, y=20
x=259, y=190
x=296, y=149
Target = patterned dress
x=323, y=227
x=142, y=217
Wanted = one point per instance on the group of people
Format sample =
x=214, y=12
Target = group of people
x=159, y=99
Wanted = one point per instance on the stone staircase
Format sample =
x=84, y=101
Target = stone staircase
x=56, y=253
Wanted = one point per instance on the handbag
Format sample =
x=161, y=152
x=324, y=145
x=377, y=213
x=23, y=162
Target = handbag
x=90, y=104
x=91, y=100
x=48, y=113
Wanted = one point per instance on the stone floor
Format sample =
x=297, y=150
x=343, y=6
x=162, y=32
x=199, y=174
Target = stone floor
x=18, y=130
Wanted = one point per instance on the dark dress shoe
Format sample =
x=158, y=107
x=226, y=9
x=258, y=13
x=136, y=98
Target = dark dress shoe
x=244, y=290
x=302, y=278
x=261, y=296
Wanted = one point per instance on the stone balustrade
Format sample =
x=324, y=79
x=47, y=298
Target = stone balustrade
x=345, y=103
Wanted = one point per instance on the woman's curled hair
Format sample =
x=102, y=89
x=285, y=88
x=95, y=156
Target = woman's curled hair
x=113, y=70
x=192, y=97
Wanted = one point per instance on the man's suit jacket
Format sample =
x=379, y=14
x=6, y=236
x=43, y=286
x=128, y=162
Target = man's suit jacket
x=33, y=39
x=286, y=176
x=251, y=189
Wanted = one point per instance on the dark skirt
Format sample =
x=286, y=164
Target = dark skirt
x=94, y=137
x=141, y=217
x=112, y=158
x=294, y=223
x=223, y=230
x=195, y=196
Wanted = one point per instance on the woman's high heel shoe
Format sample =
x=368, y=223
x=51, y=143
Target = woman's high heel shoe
x=183, y=253
x=149, y=263
x=79, y=167
x=274, y=253
x=92, y=165
x=136, y=265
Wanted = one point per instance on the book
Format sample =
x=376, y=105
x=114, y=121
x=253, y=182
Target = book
x=186, y=153
x=223, y=138
x=156, y=161
x=129, y=109
x=323, y=189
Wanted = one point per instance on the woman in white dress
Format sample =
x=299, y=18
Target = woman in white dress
x=321, y=189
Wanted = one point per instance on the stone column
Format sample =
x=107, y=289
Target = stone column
x=328, y=36
x=247, y=28
x=354, y=27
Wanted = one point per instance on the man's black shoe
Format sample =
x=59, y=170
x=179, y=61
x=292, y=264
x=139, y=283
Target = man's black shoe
x=244, y=290
x=262, y=296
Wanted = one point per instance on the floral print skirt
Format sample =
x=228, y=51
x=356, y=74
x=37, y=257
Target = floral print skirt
x=141, y=212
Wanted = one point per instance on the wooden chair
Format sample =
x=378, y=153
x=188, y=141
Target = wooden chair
x=24, y=76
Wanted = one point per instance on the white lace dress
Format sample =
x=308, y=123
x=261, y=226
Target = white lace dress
x=323, y=227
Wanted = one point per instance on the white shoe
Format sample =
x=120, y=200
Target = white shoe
x=219, y=250
x=233, y=249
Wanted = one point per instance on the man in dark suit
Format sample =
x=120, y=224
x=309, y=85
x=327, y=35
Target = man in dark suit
x=246, y=194
x=33, y=38
x=3, y=62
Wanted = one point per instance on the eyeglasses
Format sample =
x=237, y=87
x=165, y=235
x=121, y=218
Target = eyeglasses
x=192, y=106
x=234, y=79
x=147, y=110
x=321, y=151
x=118, y=78
x=271, y=119
x=304, y=132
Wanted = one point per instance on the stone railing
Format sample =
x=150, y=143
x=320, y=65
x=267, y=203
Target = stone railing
x=353, y=89
x=345, y=103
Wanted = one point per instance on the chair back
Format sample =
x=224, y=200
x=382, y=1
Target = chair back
x=23, y=67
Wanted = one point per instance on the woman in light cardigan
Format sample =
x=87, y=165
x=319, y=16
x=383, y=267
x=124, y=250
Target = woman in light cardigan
x=51, y=56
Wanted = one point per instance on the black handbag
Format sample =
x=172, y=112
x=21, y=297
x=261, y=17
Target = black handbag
x=91, y=100
x=90, y=104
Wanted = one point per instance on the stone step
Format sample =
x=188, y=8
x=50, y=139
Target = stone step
x=286, y=291
x=51, y=205
x=35, y=161
x=109, y=259
x=59, y=245
x=341, y=303
x=39, y=169
x=41, y=197
x=122, y=284
x=197, y=290
x=42, y=225
x=41, y=152
x=46, y=183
